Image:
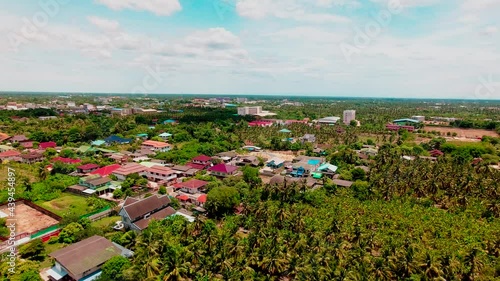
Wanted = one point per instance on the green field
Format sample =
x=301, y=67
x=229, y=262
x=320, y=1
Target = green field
x=106, y=222
x=67, y=202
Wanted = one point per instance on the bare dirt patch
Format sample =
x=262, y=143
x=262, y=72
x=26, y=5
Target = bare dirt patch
x=29, y=220
x=463, y=133
x=285, y=155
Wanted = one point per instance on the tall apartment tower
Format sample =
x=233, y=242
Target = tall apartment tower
x=349, y=115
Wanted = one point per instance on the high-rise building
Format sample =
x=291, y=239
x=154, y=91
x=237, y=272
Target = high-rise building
x=249, y=110
x=349, y=115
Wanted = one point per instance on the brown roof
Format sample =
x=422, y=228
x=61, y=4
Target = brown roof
x=143, y=223
x=86, y=254
x=181, y=168
x=129, y=201
x=145, y=206
x=161, y=170
x=342, y=183
x=130, y=168
x=33, y=155
x=98, y=181
x=19, y=138
x=77, y=187
x=194, y=184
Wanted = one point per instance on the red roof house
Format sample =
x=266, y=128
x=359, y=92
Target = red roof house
x=223, y=170
x=183, y=197
x=106, y=170
x=202, y=199
x=45, y=145
x=87, y=168
x=9, y=154
x=202, y=159
x=27, y=144
x=193, y=186
x=66, y=160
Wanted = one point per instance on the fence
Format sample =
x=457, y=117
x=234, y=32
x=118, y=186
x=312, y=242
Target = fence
x=44, y=231
x=99, y=214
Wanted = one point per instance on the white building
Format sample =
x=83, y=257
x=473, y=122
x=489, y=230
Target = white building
x=349, y=115
x=249, y=110
x=418, y=118
x=329, y=120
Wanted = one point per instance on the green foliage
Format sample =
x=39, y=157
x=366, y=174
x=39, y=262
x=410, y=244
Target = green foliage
x=69, y=233
x=251, y=175
x=222, y=200
x=162, y=190
x=34, y=250
x=113, y=269
x=117, y=193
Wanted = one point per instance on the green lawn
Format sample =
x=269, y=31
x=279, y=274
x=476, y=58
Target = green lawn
x=65, y=203
x=106, y=222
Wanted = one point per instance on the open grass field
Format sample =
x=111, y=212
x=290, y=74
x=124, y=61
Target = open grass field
x=463, y=133
x=106, y=222
x=29, y=220
x=20, y=170
x=67, y=202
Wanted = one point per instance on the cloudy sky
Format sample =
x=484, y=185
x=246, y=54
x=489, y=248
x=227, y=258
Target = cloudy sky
x=376, y=48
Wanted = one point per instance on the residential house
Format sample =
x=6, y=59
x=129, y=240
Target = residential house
x=227, y=156
x=32, y=157
x=65, y=160
x=184, y=171
x=161, y=174
x=106, y=170
x=223, y=170
x=325, y=169
x=27, y=144
x=128, y=169
x=136, y=214
x=165, y=136
x=200, y=162
x=308, y=138
x=18, y=139
x=83, y=260
x=275, y=163
x=192, y=186
x=156, y=146
x=98, y=143
x=45, y=145
x=248, y=160
x=116, y=139
x=4, y=137
x=342, y=183
x=87, y=168
x=9, y=155
x=96, y=184
x=118, y=157
x=201, y=200
x=142, y=136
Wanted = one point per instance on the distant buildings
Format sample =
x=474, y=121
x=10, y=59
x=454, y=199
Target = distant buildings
x=329, y=120
x=254, y=110
x=349, y=115
x=418, y=118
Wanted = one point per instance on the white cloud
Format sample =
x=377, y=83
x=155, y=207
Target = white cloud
x=489, y=30
x=104, y=24
x=282, y=9
x=479, y=5
x=158, y=7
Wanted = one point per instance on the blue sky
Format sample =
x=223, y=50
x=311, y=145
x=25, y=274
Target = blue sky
x=366, y=48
